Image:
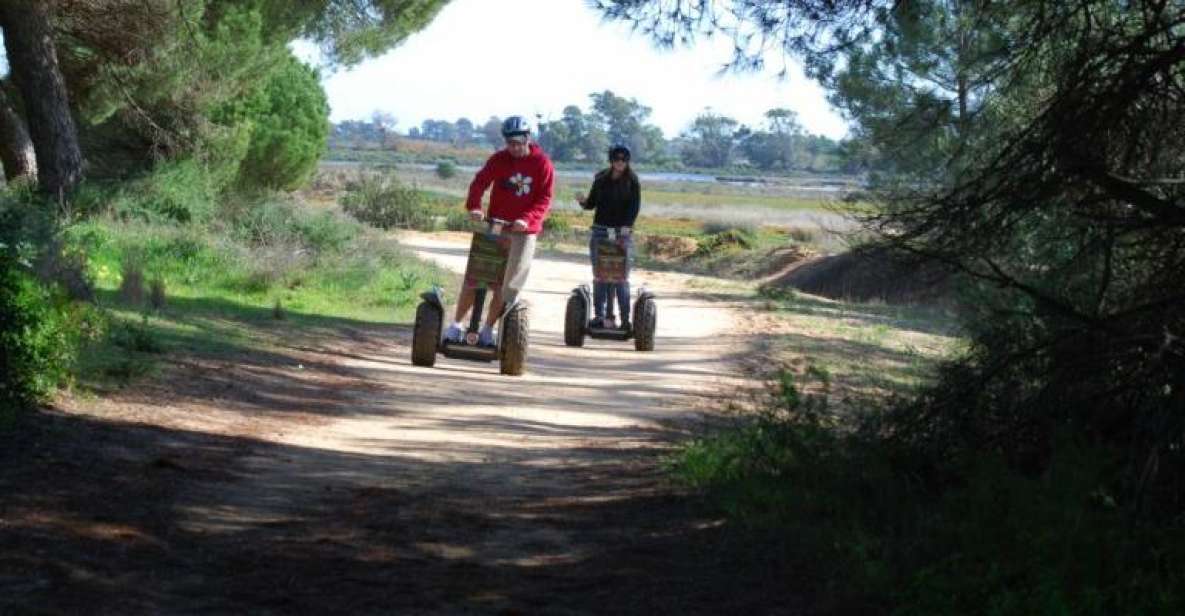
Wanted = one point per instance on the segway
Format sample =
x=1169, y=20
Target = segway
x=610, y=266
x=485, y=270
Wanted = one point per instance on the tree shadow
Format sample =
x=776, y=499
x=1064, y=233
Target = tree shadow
x=121, y=518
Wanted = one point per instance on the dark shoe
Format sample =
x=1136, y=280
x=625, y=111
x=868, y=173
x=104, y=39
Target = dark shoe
x=627, y=329
x=597, y=323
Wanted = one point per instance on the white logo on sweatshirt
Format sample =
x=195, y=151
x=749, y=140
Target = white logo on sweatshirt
x=521, y=183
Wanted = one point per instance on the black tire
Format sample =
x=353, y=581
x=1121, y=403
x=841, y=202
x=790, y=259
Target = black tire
x=645, y=320
x=515, y=334
x=574, y=321
x=426, y=335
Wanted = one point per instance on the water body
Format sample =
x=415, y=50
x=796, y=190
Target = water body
x=648, y=176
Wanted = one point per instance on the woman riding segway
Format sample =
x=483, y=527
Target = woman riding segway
x=616, y=197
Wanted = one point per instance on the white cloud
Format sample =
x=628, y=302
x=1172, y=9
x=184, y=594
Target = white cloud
x=486, y=57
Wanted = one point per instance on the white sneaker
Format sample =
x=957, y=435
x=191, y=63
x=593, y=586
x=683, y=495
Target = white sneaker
x=486, y=337
x=454, y=333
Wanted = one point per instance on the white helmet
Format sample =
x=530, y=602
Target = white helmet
x=514, y=126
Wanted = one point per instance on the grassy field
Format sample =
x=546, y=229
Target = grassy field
x=665, y=197
x=733, y=229
x=285, y=274
x=419, y=151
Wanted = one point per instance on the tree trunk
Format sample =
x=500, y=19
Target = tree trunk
x=16, y=149
x=33, y=59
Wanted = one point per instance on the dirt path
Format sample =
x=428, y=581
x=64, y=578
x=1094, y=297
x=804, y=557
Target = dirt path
x=342, y=478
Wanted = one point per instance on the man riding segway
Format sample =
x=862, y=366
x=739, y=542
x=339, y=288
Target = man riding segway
x=522, y=178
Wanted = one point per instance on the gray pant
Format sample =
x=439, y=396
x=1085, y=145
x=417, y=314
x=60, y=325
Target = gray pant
x=518, y=265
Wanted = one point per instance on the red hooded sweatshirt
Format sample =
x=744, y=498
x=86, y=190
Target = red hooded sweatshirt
x=522, y=187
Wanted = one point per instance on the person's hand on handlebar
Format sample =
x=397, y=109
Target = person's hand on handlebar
x=625, y=231
x=520, y=225
x=476, y=215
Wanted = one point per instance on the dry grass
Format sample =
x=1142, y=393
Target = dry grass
x=867, y=350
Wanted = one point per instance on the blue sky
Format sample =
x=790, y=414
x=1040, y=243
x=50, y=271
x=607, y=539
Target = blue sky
x=499, y=57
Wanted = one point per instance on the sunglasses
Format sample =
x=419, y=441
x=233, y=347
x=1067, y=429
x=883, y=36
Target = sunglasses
x=619, y=159
x=514, y=140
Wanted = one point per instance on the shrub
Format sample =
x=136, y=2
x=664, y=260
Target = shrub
x=730, y=239
x=717, y=228
x=446, y=170
x=386, y=203
x=39, y=337
x=911, y=531
x=180, y=191
x=556, y=224
x=457, y=220
x=275, y=222
x=137, y=337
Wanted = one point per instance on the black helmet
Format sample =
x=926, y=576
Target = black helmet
x=514, y=126
x=619, y=150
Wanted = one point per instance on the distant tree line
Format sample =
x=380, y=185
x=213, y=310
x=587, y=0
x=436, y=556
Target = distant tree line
x=711, y=140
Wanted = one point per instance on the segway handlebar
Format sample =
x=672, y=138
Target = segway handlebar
x=492, y=226
x=616, y=233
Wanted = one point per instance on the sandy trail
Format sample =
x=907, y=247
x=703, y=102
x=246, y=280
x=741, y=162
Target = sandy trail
x=444, y=489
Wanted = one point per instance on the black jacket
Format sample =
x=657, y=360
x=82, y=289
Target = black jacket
x=616, y=201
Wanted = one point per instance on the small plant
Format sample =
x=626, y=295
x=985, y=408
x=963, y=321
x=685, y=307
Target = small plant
x=61, y=265
x=556, y=224
x=456, y=221
x=137, y=337
x=446, y=170
x=717, y=228
x=731, y=239
x=282, y=223
x=39, y=336
x=128, y=368
x=387, y=203
x=408, y=280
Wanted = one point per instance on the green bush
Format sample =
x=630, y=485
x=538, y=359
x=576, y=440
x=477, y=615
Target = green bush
x=457, y=220
x=727, y=240
x=556, y=224
x=40, y=329
x=136, y=337
x=275, y=220
x=716, y=227
x=179, y=191
x=446, y=170
x=882, y=526
x=39, y=337
x=386, y=203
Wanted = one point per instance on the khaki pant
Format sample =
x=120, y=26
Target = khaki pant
x=518, y=265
